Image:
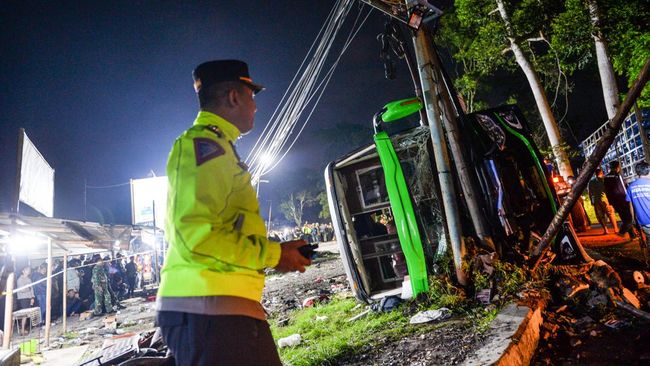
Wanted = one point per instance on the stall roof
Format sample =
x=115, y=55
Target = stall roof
x=73, y=237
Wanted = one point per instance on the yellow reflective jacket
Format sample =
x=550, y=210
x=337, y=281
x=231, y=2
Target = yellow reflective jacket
x=217, y=238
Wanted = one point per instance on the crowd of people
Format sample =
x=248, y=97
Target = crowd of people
x=311, y=232
x=93, y=283
x=609, y=194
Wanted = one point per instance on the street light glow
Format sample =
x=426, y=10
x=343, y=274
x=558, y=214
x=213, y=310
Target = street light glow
x=266, y=159
x=23, y=244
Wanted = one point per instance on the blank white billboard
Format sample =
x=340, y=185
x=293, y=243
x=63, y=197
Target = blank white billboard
x=36, y=179
x=144, y=192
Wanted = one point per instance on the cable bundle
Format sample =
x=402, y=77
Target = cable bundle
x=304, y=92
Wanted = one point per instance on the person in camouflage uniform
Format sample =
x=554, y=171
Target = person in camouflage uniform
x=100, y=286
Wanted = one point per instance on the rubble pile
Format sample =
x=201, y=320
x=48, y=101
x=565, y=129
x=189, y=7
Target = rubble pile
x=290, y=291
x=595, y=319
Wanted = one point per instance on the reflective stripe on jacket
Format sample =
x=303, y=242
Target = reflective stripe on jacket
x=217, y=238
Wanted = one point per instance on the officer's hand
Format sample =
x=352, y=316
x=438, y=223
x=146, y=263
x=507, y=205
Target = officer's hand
x=290, y=258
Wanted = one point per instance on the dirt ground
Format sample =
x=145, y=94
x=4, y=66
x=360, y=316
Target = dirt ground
x=445, y=343
x=448, y=344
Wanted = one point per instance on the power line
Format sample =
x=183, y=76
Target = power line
x=108, y=186
x=304, y=93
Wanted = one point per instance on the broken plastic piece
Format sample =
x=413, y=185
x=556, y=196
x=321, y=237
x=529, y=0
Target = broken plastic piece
x=290, y=341
x=430, y=315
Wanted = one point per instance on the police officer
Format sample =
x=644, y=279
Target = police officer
x=211, y=285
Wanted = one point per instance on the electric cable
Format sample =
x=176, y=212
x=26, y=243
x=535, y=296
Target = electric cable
x=284, y=121
x=109, y=186
x=282, y=131
x=322, y=90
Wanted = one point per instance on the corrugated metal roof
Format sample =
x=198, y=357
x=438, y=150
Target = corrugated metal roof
x=73, y=237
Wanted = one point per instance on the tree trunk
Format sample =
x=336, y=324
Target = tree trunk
x=614, y=125
x=605, y=69
x=552, y=130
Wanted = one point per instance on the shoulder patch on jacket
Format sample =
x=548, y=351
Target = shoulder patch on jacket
x=206, y=149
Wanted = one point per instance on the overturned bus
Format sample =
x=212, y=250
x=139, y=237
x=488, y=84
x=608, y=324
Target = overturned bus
x=516, y=194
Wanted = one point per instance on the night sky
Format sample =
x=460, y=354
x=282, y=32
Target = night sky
x=104, y=88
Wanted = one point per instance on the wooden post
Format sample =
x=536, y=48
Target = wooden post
x=613, y=126
x=48, y=299
x=65, y=291
x=9, y=311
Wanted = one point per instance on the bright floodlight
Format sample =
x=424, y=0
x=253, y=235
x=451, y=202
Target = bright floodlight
x=266, y=159
x=23, y=244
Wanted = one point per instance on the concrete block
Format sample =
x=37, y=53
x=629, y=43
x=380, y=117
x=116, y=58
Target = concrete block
x=512, y=338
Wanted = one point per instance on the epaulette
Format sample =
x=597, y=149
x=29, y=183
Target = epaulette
x=214, y=129
x=239, y=162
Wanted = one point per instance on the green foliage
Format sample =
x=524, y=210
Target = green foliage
x=625, y=26
x=482, y=318
x=323, y=342
x=508, y=278
x=327, y=340
x=571, y=152
x=71, y=335
x=443, y=293
x=572, y=36
x=556, y=36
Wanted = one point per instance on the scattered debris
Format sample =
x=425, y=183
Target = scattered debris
x=360, y=315
x=486, y=262
x=483, y=296
x=386, y=304
x=569, y=287
x=615, y=323
x=290, y=341
x=110, y=322
x=430, y=315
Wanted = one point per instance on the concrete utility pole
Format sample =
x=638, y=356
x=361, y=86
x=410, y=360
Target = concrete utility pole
x=424, y=55
x=449, y=117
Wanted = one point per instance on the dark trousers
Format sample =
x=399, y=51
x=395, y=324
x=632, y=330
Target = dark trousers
x=130, y=281
x=627, y=221
x=217, y=340
x=73, y=306
x=40, y=299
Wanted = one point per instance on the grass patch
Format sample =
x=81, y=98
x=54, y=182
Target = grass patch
x=71, y=335
x=325, y=341
x=483, y=317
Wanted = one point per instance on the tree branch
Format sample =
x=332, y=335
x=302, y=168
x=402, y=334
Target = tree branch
x=613, y=126
x=536, y=39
